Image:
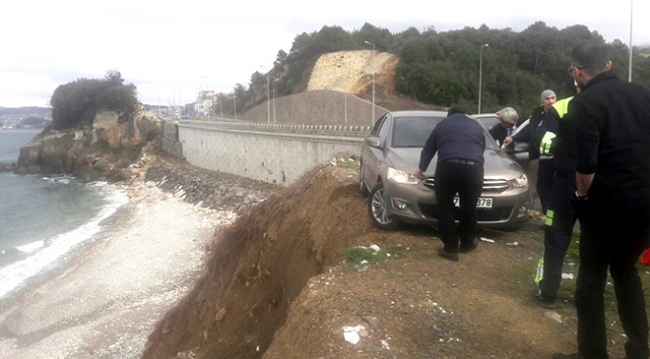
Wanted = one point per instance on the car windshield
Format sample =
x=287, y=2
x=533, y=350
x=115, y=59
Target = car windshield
x=414, y=132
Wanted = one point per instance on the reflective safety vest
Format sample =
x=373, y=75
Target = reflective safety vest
x=561, y=108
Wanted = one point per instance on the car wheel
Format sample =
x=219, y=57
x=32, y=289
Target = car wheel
x=362, y=186
x=377, y=209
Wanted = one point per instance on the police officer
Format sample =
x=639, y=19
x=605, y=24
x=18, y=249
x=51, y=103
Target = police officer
x=545, y=167
x=611, y=119
x=561, y=215
x=459, y=142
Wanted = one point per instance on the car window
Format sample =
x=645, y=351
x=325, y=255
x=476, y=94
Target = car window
x=488, y=122
x=384, y=131
x=413, y=131
x=375, y=128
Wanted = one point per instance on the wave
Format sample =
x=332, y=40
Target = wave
x=45, y=253
x=29, y=248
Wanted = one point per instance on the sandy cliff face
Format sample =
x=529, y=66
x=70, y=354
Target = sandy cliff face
x=351, y=71
x=104, y=149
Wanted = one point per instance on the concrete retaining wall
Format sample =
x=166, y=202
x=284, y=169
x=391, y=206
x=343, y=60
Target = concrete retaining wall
x=170, y=142
x=270, y=157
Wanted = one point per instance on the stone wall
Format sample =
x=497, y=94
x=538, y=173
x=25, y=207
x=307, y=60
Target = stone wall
x=269, y=157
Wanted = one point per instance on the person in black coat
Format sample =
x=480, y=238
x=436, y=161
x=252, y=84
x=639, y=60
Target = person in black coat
x=459, y=141
x=611, y=122
x=508, y=118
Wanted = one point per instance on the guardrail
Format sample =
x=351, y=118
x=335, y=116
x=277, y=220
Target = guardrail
x=331, y=130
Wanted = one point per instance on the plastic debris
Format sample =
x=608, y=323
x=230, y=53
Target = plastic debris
x=513, y=244
x=567, y=275
x=352, y=334
x=384, y=344
x=483, y=239
x=375, y=248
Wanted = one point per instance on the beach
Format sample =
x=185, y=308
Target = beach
x=106, y=297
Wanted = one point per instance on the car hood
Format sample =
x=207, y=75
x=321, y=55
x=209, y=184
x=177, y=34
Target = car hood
x=497, y=164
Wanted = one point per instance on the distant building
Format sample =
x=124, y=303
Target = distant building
x=205, y=102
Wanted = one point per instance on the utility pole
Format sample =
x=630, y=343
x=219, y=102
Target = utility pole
x=268, y=96
x=373, y=81
x=480, y=77
x=274, y=117
x=629, y=77
x=234, y=103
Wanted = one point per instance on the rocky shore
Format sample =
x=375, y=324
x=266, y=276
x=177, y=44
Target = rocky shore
x=206, y=189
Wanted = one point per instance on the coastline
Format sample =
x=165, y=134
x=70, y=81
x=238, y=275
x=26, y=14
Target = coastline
x=107, y=296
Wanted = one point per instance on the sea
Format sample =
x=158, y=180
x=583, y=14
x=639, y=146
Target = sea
x=44, y=218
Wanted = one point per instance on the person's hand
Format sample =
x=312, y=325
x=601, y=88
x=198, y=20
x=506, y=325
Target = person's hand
x=419, y=175
x=507, y=141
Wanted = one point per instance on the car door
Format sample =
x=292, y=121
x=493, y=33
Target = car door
x=375, y=155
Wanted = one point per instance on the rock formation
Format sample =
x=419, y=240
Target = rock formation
x=104, y=149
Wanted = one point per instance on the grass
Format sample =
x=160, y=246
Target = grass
x=353, y=165
x=358, y=254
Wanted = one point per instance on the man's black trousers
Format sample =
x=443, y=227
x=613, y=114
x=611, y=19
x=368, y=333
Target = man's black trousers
x=466, y=180
x=561, y=217
x=614, y=234
x=545, y=172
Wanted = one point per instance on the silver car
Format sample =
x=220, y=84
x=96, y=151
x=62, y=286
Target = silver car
x=390, y=156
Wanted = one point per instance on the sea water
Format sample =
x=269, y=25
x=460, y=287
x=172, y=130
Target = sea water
x=43, y=218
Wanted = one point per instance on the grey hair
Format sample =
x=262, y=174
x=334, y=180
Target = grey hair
x=508, y=115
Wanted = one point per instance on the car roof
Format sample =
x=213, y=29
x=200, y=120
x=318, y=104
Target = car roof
x=419, y=113
x=485, y=115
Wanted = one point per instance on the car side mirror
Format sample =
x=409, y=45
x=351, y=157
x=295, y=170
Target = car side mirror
x=373, y=142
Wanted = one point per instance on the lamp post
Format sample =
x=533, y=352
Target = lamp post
x=629, y=76
x=234, y=103
x=372, y=122
x=274, y=114
x=207, y=88
x=480, y=77
x=268, y=96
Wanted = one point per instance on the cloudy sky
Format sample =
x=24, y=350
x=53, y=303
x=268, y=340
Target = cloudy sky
x=175, y=48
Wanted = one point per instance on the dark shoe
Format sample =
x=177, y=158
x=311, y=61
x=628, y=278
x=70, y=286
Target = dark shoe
x=544, y=303
x=566, y=356
x=448, y=255
x=470, y=247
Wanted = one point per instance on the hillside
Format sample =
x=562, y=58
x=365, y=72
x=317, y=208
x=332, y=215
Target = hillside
x=333, y=75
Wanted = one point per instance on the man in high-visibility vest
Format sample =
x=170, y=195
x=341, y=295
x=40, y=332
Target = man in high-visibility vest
x=558, y=143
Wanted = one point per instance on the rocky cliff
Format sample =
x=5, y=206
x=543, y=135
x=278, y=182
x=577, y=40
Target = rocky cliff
x=104, y=149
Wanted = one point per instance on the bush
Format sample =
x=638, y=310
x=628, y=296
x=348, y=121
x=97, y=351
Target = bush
x=76, y=103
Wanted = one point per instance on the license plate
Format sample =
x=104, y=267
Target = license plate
x=483, y=202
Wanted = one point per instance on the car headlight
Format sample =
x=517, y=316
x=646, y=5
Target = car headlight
x=398, y=176
x=520, y=182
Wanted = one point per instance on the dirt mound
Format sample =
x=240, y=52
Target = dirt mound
x=259, y=267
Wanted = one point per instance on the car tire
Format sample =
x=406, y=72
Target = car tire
x=377, y=210
x=363, y=189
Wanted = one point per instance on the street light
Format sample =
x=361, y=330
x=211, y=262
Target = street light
x=207, y=88
x=373, y=81
x=268, y=95
x=480, y=78
x=631, y=18
x=274, y=115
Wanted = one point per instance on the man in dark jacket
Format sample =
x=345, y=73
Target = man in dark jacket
x=508, y=118
x=459, y=142
x=611, y=119
x=545, y=166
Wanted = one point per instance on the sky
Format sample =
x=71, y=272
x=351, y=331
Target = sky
x=172, y=49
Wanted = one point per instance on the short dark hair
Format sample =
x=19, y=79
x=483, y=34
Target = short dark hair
x=454, y=110
x=590, y=57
